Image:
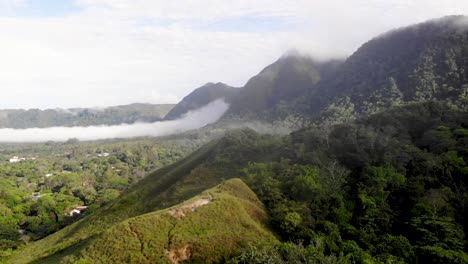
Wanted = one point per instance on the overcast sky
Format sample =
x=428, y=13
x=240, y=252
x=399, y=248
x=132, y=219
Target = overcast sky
x=84, y=53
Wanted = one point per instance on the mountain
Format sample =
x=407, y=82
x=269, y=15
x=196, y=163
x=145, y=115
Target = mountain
x=201, y=97
x=114, y=115
x=288, y=78
x=417, y=63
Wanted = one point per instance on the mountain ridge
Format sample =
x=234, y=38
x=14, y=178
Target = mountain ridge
x=291, y=76
x=414, y=63
x=112, y=115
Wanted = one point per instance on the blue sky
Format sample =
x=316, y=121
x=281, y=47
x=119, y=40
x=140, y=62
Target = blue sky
x=34, y=9
x=55, y=53
x=42, y=8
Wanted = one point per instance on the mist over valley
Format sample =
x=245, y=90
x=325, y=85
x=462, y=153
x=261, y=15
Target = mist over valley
x=240, y=132
x=191, y=120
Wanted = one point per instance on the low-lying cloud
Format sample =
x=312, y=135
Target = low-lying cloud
x=192, y=120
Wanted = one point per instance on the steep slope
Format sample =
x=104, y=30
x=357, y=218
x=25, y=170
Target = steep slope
x=221, y=159
x=427, y=61
x=114, y=115
x=204, y=229
x=201, y=97
x=287, y=79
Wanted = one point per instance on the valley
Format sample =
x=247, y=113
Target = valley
x=361, y=160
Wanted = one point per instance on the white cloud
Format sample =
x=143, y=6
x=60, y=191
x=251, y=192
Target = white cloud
x=192, y=120
x=197, y=9
x=123, y=51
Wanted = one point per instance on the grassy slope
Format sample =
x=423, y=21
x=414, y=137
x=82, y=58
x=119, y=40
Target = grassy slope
x=208, y=234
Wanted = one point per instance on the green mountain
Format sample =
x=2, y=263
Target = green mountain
x=422, y=62
x=114, y=115
x=287, y=79
x=413, y=64
x=201, y=97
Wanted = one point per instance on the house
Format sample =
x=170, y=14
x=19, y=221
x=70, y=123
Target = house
x=16, y=159
x=49, y=175
x=105, y=154
x=36, y=195
x=76, y=211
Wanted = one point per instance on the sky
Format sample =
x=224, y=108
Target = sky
x=96, y=53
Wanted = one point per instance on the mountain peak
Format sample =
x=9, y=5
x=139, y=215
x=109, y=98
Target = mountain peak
x=292, y=53
x=443, y=25
x=290, y=77
x=202, y=96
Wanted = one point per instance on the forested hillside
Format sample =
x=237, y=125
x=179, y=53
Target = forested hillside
x=427, y=61
x=391, y=187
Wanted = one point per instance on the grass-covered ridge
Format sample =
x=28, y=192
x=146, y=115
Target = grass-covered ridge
x=229, y=216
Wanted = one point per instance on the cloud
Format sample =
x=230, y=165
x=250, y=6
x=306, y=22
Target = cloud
x=192, y=120
x=111, y=52
x=196, y=9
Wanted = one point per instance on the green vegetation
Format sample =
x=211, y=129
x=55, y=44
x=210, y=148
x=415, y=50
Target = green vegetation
x=388, y=187
x=114, y=115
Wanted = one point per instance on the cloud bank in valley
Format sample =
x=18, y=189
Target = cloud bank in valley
x=192, y=120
